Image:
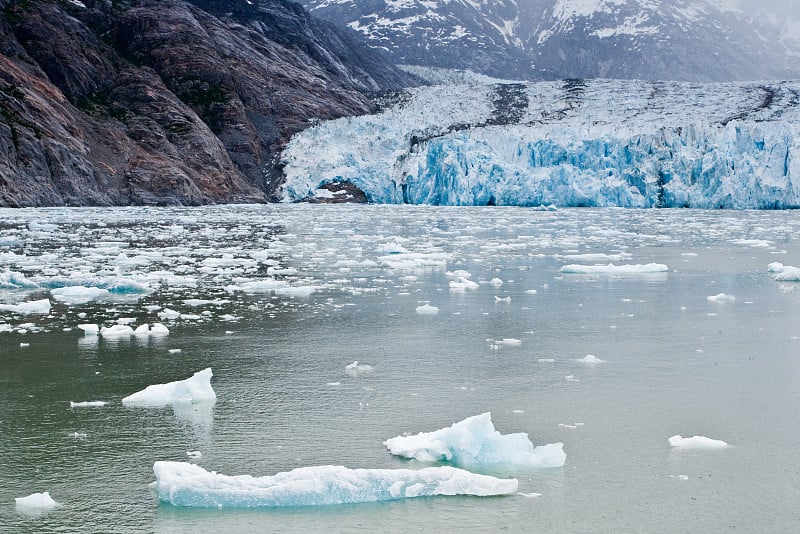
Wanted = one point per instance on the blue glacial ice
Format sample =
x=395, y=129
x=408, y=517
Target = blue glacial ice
x=575, y=143
x=475, y=442
x=185, y=484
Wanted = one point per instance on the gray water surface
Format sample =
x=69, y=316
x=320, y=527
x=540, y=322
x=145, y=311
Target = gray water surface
x=676, y=363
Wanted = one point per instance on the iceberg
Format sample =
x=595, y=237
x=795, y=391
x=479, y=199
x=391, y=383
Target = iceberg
x=33, y=307
x=35, y=503
x=186, y=484
x=73, y=295
x=612, y=143
x=475, y=442
x=784, y=273
x=696, y=442
x=612, y=269
x=196, y=388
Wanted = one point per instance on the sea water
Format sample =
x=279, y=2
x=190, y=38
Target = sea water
x=281, y=300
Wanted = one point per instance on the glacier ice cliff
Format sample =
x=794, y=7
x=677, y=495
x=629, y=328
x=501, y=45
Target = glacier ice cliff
x=185, y=484
x=569, y=144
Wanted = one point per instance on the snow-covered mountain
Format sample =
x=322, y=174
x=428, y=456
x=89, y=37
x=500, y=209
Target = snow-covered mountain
x=568, y=143
x=689, y=40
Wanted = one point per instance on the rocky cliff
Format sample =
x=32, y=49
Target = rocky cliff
x=115, y=102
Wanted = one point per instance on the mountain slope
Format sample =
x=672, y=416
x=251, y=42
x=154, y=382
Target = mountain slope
x=166, y=102
x=688, y=40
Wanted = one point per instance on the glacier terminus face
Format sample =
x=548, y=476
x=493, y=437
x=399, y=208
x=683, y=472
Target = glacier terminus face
x=574, y=143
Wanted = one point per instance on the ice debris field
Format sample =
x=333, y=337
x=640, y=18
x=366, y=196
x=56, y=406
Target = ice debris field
x=571, y=143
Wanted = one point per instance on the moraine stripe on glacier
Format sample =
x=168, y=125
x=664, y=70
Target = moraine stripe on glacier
x=569, y=143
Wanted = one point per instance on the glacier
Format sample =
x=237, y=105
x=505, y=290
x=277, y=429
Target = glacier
x=189, y=485
x=573, y=143
x=475, y=442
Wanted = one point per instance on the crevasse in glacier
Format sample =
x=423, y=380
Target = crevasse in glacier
x=573, y=143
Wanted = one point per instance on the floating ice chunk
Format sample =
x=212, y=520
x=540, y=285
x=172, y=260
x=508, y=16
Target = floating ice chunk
x=529, y=495
x=73, y=295
x=87, y=404
x=33, y=307
x=474, y=441
x=590, y=359
x=295, y=291
x=596, y=257
x=508, y=342
x=36, y=502
x=427, y=309
x=24, y=345
x=174, y=351
x=502, y=299
x=462, y=284
x=194, y=454
x=531, y=292
x=167, y=314
x=186, y=484
x=458, y=274
x=696, y=442
x=357, y=369
x=142, y=331
x=197, y=388
x=158, y=329
x=784, y=273
x=116, y=331
x=722, y=297
x=546, y=360
x=496, y=282
x=263, y=286
x=15, y=280
x=612, y=269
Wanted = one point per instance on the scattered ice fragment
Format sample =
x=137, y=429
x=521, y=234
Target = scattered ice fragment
x=174, y=351
x=116, y=331
x=427, y=309
x=73, y=295
x=546, y=360
x=529, y=495
x=531, y=292
x=333, y=384
x=784, y=273
x=36, y=502
x=142, y=330
x=194, y=454
x=78, y=435
x=462, y=284
x=508, y=342
x=197, y=388
x=722, y=297
x=33, y=307
x=158, y=329
x=167, y=314
x=517, y=411
x=474, y=441
x=87, y=404
x=696, y=442
x=24, y=345
x=612, y=269
x=186, y=484
x=502, y=299
x=571, y=378
x=357, y=369
x=496, y=282
x=590, y=359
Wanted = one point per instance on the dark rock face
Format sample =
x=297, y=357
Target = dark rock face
x=166, y=102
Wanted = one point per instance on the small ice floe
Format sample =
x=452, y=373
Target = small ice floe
x=473, y=442
x=696, y=442
x=721, y=297
x=89, y=329
x=194, y=455
x=196, y=388
x=174, y=351
x=36, y=503
x=187, y=484
x=518, y=411
x=571, y=378
x=333, y=384
x=357, y=369
x=427, y=309
x=116, y=331
x=496, y=282
x=33, y=307
x=611, y=269
x=77, y=435
x=784, y=273
x=546, y=360
x=87, y=404
x=502, y=299
x=462, y=284
x=680, y=477
x=168, y=314
x=74, y=295
x=529, y=495
x=590, y=359
x=508, y=342
x=458, y=273
x=24, y=345
x=531, y=292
